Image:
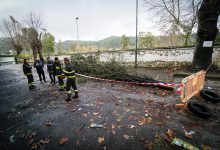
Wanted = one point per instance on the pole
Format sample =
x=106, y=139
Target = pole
x=77, y=30
x=136, y=47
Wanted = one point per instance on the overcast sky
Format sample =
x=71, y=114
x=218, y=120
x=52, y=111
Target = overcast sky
x=98, y=19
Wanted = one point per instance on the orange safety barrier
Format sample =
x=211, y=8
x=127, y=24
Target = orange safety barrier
x=193, y=84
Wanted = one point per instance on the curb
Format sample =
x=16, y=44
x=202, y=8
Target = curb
x=208, y=76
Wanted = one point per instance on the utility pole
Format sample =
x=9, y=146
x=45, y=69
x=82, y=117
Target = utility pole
x=136, y=47
x=77, y=30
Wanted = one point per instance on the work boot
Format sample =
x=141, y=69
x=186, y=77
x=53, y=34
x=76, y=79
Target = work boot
x=32, y=87
x=61, y=89
x=76, y=95
x=68, y=98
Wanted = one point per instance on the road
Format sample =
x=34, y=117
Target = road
x=132, y=117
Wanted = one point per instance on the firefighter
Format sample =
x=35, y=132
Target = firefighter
x=51, y=70
x=59, y=73
x=39, y=65
x=28, y=72
x=69, y=72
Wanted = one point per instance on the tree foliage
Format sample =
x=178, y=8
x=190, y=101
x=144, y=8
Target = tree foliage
x=146, y=40
x=33, y=32
x=125, y=41
x=178, y=13
x=11, y=31
x=48, y=43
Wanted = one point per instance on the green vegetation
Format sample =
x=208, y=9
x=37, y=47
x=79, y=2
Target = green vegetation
x=108, y=70
x=125, y=41
x=146, y=40
x=48, y=44
x=90, y=66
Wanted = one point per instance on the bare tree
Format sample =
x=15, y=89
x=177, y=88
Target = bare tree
x=180, y=13
x=11, y=31
x=33, y=33
x=208, y=15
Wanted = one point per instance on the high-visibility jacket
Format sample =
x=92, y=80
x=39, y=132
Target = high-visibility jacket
x=27, y=69
x=58, y=69
x=69, y=71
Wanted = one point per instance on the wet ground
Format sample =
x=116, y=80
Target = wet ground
x=131, y=117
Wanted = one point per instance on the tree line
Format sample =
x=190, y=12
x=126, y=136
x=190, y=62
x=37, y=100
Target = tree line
x=27, y=34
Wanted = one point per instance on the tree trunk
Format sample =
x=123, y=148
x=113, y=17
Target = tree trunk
x=34, y=52
x=186, y=40
x=207, y=30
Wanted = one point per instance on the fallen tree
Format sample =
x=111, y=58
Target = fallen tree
x=108, y=70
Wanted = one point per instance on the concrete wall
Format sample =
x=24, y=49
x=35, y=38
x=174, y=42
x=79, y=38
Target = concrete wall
x=154, y=57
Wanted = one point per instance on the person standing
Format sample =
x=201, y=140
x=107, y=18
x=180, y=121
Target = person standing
x=27, y=69
x=39, y=65
x=51, y=70
x=59, y=73
x=69, y=72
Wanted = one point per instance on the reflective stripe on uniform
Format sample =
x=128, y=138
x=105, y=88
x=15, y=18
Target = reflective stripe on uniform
x=62, y=86
x=59, y=75
x=76, y=91
x=68, y=72
x=69, y=92
x=28, y=74
x=57, y=67
x=71, y=77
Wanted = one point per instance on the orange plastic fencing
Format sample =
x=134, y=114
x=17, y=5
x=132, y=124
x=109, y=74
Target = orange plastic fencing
x=193, y=84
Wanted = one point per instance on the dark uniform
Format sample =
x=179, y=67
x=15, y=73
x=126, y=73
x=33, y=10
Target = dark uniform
x=40, y=71
x=69, y=72
x=59, y=74
x=51, y=70
x=28, y=72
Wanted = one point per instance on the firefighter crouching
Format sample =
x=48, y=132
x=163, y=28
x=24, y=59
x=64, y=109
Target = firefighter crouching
x=28, y=72
x=59, y=73
x=69, y=72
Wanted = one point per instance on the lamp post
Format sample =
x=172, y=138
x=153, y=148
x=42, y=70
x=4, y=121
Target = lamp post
x=77, y=30
x=136, y=40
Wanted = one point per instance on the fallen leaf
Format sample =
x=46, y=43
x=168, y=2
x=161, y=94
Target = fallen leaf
x=189, y=134
x=33, y=135
x=45, y=141
x=145, y=120
x=85, y=114
x=148, y=144
x=205, y=147
x=159, y=123
x=95, y=113
x=169, y=133
x=101, y=140
x=113, y=126
x=74, y=109
x=113, y=132
x=63, y=140
x=126, y=137
x=48, y=123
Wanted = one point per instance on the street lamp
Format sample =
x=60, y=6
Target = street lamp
x=77, y=18
x=136, y=41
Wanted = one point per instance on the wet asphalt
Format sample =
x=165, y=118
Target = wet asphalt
x=131, y=117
